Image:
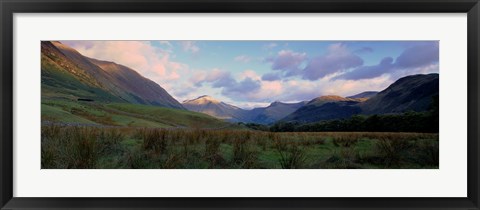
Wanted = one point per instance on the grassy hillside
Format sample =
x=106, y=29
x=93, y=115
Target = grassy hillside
x=122, y=114
x=58, y=83
x=67, y=74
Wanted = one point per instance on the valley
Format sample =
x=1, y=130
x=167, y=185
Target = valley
x=100, y=114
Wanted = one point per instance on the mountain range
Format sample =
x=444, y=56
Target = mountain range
x=264, y=115
x=213, y=107
x=410, y=93
x=274, y=112
x=67, y=74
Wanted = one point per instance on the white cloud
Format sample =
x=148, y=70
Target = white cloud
x=190, y=46
x=243, y=58
x=166, y=43
x=269, y=46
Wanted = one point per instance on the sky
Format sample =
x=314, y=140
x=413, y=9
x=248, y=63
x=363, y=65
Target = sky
x=252, y=74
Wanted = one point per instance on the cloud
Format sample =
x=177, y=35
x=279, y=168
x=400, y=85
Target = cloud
x=230, y=87
x=337, y=59
x=151, y=62
x=420, y=58
x=365, y=72
x=250, y=105
x=190, y=46
x=363, y=50
x=269, y=46
x=166, y=43
x=288, y=62
x=305, y=90
x=217, y=77
x=224, y=80
x=248, y=88
x=249, y=73
x=426, y=69
x=271, y=76
x=184, y=91
x=418, y=55
x=237, y=89
x=242, y=58
x=340, y=61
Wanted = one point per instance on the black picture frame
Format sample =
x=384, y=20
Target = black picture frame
x=10, y=7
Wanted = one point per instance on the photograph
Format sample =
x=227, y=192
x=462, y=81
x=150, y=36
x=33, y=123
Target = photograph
x=240, y=104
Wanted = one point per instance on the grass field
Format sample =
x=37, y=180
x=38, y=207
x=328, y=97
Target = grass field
x=116, y=135
x=92, y=147
x=131, y=115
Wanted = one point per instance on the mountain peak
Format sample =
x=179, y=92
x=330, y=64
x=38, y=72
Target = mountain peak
x=331, y=98
x=328, y=98
x=205, y=96
x=202, y=100
x=275, y=103
x=62, y=46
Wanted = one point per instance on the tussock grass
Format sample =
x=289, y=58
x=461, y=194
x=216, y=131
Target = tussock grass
x=291, y=155
x=121, y=147
x=77, y=147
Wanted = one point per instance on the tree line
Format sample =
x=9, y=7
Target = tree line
x=426, y=122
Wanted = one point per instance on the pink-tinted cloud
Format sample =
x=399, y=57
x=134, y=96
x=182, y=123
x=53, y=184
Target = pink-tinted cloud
x=249, y=73
x=151, y=62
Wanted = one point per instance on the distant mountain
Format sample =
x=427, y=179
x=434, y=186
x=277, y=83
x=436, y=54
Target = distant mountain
x=213, y=107
x=263, y=115
x=410, y=93
x=364, y=95
x=325, y=108
x=67, y=74
x=274, y=112
x=328, y=99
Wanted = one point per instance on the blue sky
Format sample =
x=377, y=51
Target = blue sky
x=255, y=73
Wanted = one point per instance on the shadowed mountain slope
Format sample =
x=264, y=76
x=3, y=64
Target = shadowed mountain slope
x=410, y=93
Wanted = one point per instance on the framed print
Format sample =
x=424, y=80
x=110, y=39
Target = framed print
x=239, y=105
